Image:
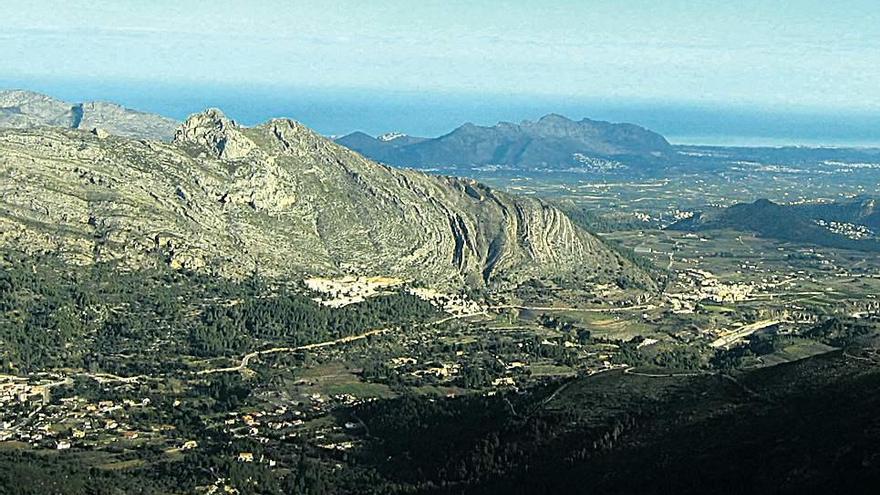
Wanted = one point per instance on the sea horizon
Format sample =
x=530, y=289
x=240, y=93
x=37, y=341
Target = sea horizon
x=339, y=111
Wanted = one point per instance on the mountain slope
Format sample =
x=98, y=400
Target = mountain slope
x=860, y=210
x=774, y=221
x=26, y=109
x=551, y=142
x=278, y=198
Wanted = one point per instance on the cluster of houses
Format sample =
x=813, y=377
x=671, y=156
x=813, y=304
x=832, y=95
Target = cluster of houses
x=453, y=304
x=846, y=229
x=696, y=286
x=28, y=416
x=339, y=292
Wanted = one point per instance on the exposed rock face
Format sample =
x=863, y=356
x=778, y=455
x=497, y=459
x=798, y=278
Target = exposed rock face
x=214, y=132
x=278, y=197
x=26, y=109
x=551, y=142
x=23, y=109
x=121, y=121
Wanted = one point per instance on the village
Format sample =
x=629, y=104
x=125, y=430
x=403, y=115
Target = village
x=302, y=395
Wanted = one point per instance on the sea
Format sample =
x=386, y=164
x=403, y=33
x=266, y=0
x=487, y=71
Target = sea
x=338, y=111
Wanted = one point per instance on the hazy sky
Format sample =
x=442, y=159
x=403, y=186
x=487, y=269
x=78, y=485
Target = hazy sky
x=806, y=54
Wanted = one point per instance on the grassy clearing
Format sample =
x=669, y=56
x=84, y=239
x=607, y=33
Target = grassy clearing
x=357, y=389
x=119, y=465
x=712, y=308
x=550, y=370
x=338, y=378
x=796, y=352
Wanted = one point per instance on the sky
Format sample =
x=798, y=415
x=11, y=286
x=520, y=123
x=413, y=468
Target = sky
x=795, y=57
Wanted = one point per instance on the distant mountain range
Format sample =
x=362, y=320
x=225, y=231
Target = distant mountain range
x=848, y=224
x=552, y=142
x=26, y=109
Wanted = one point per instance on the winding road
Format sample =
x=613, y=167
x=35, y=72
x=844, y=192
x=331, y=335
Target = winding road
x=631, y=371
x=342, y=340
x=581, y=310
x=247, y=357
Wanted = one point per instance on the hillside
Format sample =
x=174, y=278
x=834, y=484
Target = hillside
x=26, y=109
x=860, y=210
x=774, y=221
x=804, y=427
x=553, y=141
x=278, y=199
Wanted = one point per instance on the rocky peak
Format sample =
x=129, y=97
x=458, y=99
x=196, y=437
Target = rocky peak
x=295, y=139
x=24, y=109
x=15, y=97
x=212, y=130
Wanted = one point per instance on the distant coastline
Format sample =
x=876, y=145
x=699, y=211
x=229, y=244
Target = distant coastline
x=769, y=142
x=339, y=111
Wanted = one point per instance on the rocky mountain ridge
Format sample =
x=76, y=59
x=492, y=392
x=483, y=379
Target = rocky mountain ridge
x=26, y=109
x=278, y=199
